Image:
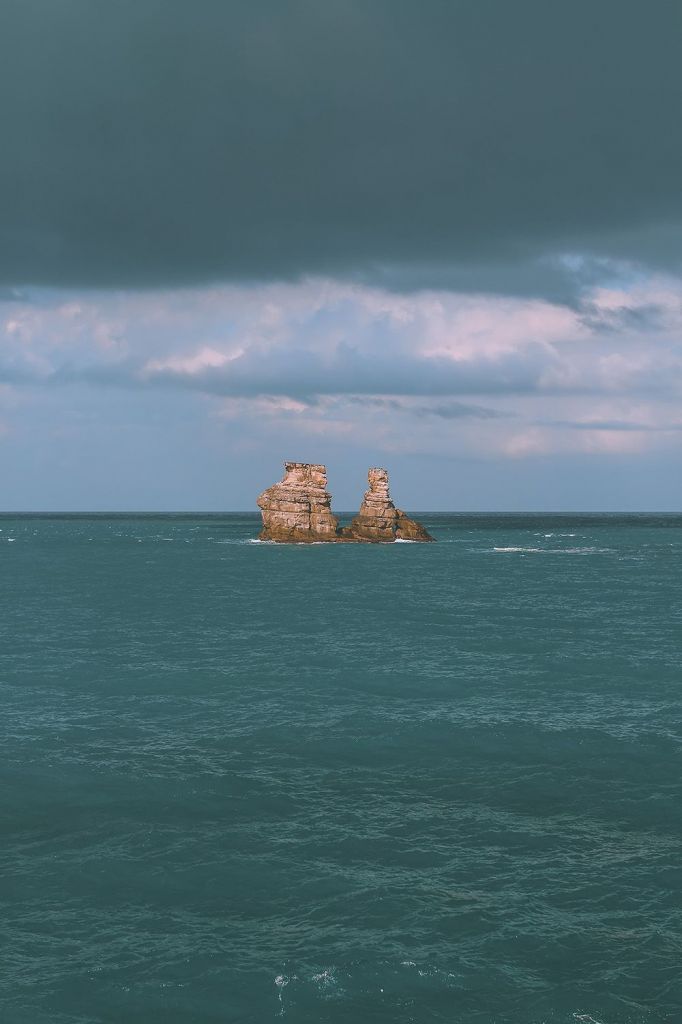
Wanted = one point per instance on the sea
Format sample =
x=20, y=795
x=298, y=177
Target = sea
x=338, y=784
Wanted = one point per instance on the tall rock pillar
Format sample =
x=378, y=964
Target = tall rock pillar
x=379, y=519
x=298, y=508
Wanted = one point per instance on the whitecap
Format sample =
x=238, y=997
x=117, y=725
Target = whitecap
x=524, y=550
x=556, y=551
x=326, y=977
x=586, y=551
x=280, y=981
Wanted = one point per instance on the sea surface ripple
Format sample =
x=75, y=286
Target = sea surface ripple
x=415, y=783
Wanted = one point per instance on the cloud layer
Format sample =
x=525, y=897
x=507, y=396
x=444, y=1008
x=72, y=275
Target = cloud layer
x=432, y=372
x=468, y=145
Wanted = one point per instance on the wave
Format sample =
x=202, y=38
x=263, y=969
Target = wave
x=554, y=551
x=547, y=535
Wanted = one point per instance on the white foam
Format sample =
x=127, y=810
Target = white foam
x=547, y=535
x=556, y=551
x=326, y=978
x=280, y=981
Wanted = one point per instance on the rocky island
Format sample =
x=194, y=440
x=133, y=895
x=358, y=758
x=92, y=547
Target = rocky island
x=298, y=510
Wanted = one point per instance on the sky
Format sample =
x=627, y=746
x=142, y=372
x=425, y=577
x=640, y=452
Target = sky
x=442, y=236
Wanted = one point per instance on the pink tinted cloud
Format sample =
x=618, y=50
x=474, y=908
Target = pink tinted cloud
x=518, y=363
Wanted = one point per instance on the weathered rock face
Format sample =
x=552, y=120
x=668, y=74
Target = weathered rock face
x=298, y=509
x=379, y=519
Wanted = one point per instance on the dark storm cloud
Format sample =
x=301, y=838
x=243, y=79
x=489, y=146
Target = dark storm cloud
x=452, y=142
x=443, y=410
x=624, y=318
x=460, y=410
x=628, y=426
x=12, y=295
x=305, y=376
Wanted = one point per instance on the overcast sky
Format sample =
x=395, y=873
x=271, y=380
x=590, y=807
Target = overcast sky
x=442, y=236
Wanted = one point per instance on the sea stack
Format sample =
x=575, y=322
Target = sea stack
x=379, y=520
x=298, y=511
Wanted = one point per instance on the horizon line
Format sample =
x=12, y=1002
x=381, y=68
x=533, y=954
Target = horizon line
x=6, y=513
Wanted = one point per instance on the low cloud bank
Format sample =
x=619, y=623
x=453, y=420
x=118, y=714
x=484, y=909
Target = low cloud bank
x=502, y=374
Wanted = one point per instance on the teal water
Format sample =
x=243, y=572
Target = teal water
x=409, y=783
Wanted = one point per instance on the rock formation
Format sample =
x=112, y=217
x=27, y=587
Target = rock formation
x=379, y=519
x=298, y=510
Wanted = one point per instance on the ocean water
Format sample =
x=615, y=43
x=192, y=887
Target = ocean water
x=412, y=783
